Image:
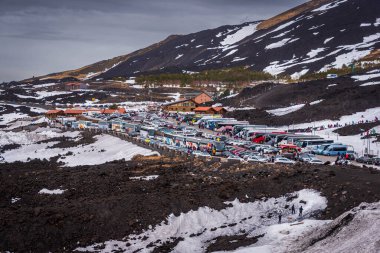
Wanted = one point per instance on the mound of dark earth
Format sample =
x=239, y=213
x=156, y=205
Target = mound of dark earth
x=102, y=202
x=356, y=129
x=323, y=99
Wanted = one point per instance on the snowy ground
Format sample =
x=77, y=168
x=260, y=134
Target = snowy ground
x=106, y=148
x=355, y=141
x=354, y=231
x=5, y=119
x=207, y=224
x=358, y=144
x=285, y=110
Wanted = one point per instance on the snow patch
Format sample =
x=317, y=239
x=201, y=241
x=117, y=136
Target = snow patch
x=280, y=43
x=239, y=35
x=365, y=77
x=316, y=102
x=239, y=59
x=51, y=192
x=146, y=178
x=207, y=223
x=315, y=52
x=369, y=84
x=178, y=56
x=329, y=6
x=327, y=40
x=44, y=85
x=285, y=110
x=106, y=148
x=297, y=75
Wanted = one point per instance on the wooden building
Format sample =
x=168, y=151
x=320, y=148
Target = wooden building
x=112, y=111
x=210, y=110
x=76, y=86
x=198, y=97
x=204, y=110
x=220, y=110
x=52, y=114
x=74, y=112
x=185, y=105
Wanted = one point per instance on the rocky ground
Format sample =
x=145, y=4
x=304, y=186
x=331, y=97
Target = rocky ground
x=102, y=202
x=356, y=129
x=323, y=99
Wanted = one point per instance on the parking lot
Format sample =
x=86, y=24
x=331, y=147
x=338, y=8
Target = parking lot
x=207, y=136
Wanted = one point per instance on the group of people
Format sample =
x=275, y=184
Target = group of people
x=293, y=209
x=342, y=159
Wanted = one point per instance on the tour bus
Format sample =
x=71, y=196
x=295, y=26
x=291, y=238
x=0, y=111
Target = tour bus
x=131, y=127
x=312, y=143
x=146, y=131
x=231, y=123
x=239, y=128
x=335, y=149
x=212, y=123
x=202, y=118
x=292, y=139
x=198, y=143
x=253, y=133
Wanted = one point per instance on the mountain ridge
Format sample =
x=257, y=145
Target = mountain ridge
x=314, y=36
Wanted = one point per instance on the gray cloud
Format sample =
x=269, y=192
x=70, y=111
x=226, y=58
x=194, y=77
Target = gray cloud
x=42, y=36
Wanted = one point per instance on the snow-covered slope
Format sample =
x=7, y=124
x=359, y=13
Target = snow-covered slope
x=354, y=231
x=199, y=228
x=329, y=36
x=315, y=36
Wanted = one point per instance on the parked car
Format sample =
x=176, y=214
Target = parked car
x=256, y=158
x=270, y=150
x=234, y=158
x=315, y=161
x=365, y=159
x=306, y=157
x=200, y=153
x=133, y=134
x=376, y=161
x=283, y=160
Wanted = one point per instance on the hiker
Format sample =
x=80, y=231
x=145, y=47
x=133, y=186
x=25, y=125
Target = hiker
x=293, y=209
x=301, y=209
x=279, y=217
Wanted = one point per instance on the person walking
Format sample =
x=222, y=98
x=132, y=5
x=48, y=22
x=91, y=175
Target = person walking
x=301, y=209
x=279, y=217
x=293, y=209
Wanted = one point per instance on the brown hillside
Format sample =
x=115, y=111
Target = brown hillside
x=291, y=13
x=374, y=55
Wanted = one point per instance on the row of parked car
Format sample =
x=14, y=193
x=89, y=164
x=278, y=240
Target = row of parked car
x=367, y=159
x=264, y=153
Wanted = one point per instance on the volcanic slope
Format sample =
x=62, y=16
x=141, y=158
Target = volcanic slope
x=308, y=101
x=314, y=36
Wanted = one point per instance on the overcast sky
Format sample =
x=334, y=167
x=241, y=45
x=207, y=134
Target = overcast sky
x=44, y=36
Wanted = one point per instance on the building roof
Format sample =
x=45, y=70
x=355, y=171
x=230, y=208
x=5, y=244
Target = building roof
x=196, y=94
x=179, y=101
x=110, y=111
x=53, y=111
x=203, y=108
x=74, y=111
x=218, y=108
